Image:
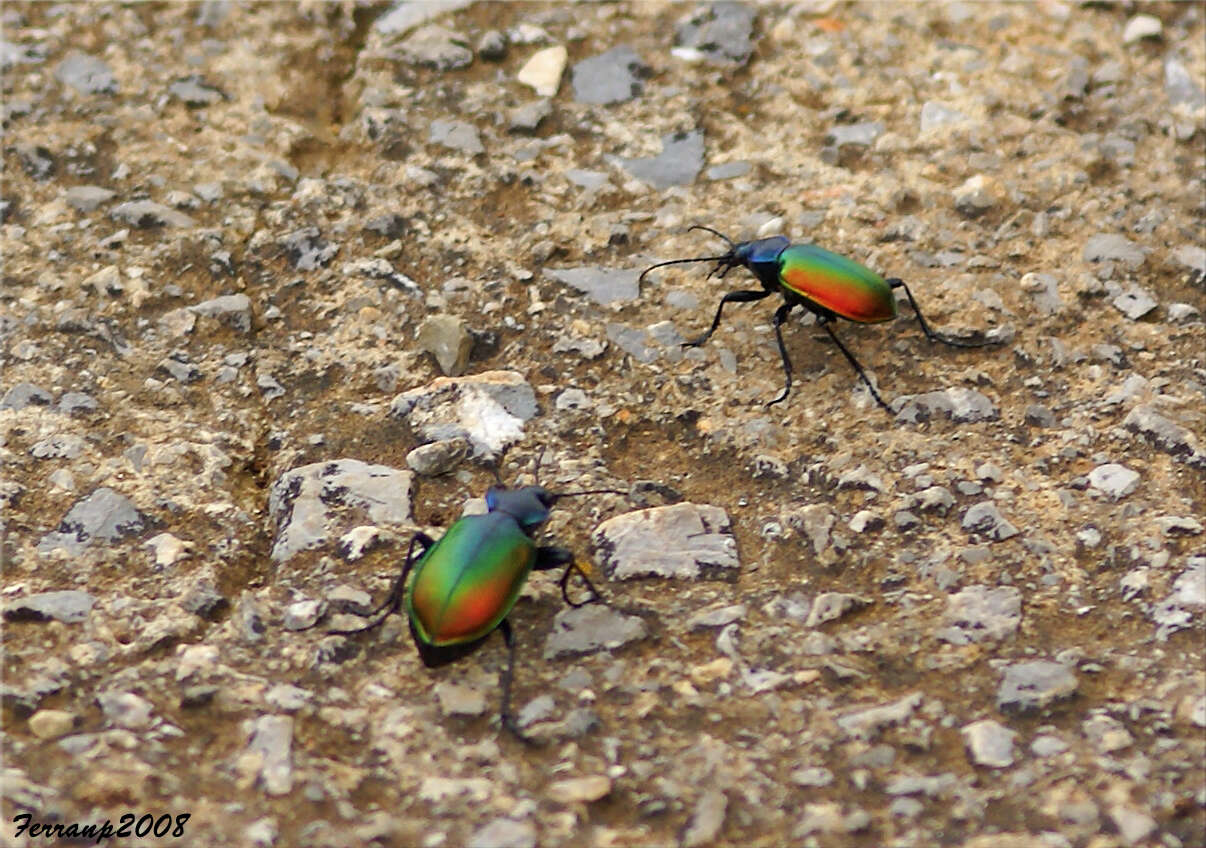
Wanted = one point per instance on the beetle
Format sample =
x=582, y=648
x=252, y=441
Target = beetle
x=827, y=284
x=458, y=590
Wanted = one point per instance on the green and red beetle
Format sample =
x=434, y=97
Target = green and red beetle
x=827, y=284
x=460, y=589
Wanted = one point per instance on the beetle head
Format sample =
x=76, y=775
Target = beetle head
x=529, y=505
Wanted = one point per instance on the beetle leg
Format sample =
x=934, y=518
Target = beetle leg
x=780, y=316
x=508, y=720
x=824, y=321
x=393, y=601
x=898, y=283
x=744, y=296
x=551, y=556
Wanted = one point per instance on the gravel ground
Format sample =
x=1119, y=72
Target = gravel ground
x=283, y=284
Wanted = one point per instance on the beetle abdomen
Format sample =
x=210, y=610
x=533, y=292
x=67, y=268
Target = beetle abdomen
x=836, y=283
x=469, y=580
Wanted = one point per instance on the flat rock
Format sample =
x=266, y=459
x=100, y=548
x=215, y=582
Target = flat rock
x=718, y=33
x=602, y=285
x=1164, y=433
x=303, y=499
x=25, y=394
x=433, y=46
x=678, y=164
x=981, y=613
x=611, y=77
x=989, y=743
x=456, y=135
x=504, y=833
x=271, y=744
x=1114, y=480
x=234, y=310
x=436, y=458
x=69, y=606
x=146, y=214
x=1034, y=685
x=488, y=409
x=1135, y=303
x=682, y=541
x=590, y=628
x=103, y=516
x=865, y=722
x=86, y=74
x=1111, y=247
x=957, y=404
x=985, y=518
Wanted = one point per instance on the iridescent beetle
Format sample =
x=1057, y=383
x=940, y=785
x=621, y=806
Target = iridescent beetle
x=825, y=283
x=462, y=587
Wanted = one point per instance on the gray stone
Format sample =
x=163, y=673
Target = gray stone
x=1180, y=86
x=86, y=198
x=682, y=541
x=540, y=708
x=526, y=118
x=72, y=402
x=25, y=394
x=830, y=606
x=814, y=522
x=1114, y=480
x=433, y=46
x=720, y=617
x=678, y=164
x=984, y=517
x=957, y=404
x=306, y=250
x=302, y=615
x=69, y=606
x=234, y=310
x=980, y=613
x=504, y=833
x=816, y=777
x=1048, y=746
x=105, y=516
x=1165, y=434
x=58, y=446
x=457, y=135
x=728, y=170
x=459, y=699
x=720, y=33
x=272, y=743
x=302, y=499
x=436, y=458
x=488, y=409
x=1110, y=247
x=1135, y=303
x=179, y=368
x=447, y=338
x=854, y=135
x=1034, y=685
x=1038, y=415
x=589, y=180
x=989, y=743
x=602, y=285
x=196, y=92
x=146, y=214
x=611, y=77
x=935, y=114
x=590, y=628
x=403, y=17
x=631, y=340
x=977, y=195
x=86, y=74
x=865, y=722
x=125, y=709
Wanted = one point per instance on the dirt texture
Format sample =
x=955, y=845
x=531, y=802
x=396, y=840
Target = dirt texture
x=284, y=283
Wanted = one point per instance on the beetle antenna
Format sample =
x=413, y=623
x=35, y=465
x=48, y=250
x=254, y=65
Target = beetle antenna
x=681, y=261
x=536, y=467
x=715, y=233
